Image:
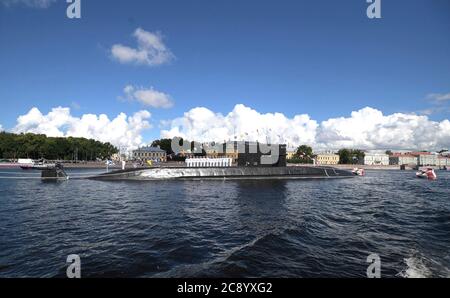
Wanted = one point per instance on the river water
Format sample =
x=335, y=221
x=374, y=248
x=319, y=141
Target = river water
x=307, y=228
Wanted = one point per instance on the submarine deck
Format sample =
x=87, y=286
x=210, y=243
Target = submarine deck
x=165, y=173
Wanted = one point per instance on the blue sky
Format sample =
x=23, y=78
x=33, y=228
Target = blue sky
x=322, y=58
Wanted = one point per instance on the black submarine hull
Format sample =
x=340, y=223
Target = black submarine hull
x=177, y=173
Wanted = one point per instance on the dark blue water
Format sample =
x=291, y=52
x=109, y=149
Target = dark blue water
x=226, y=228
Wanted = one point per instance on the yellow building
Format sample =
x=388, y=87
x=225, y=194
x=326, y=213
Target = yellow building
x=233, y=154
x=212, y=152
x=290, y=154
x=228, y=150
x=327, y=159
x=150, y=153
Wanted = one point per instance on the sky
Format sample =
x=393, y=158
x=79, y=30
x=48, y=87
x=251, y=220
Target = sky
x=315, y=72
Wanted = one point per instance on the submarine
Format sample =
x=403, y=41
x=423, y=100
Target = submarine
x=210, y=173
x=252, y=163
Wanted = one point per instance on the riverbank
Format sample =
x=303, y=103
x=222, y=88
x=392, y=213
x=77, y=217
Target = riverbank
x=390, y=167
x=368, y=167
x=350, y=167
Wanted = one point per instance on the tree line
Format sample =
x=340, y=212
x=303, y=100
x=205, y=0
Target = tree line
x=37, y=146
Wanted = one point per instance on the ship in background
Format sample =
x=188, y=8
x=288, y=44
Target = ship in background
x=24, y=163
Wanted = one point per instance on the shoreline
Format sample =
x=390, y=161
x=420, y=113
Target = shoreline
x=351, y=167
x=368, y=167
x=129, y=165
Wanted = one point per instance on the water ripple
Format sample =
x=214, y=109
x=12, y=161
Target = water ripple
x=227, y=228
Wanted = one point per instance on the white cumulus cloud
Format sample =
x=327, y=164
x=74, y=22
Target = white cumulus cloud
x=148, y=96
x=242, y=123
x=150, y=50
x=367, y=128
x=29, y=3
x=124, y=131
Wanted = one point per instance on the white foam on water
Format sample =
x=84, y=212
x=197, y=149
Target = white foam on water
x=415, y=268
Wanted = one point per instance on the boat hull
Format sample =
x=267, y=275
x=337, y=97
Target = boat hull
x=26, y=167
x=241, y=173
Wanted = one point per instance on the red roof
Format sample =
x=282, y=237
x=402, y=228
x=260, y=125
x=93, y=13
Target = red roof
x=420, y=153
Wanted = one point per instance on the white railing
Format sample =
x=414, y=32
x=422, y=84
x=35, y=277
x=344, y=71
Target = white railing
x=208, y=162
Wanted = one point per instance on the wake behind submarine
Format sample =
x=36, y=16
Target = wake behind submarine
x=252, y=163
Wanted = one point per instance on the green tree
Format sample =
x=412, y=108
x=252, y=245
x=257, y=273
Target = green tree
x=350, y=156
x=344, y=156
x=303, y=154
x=164, y=144
x=13, y=146
x=358, y=156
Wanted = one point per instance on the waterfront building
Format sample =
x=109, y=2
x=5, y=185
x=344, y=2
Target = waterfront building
x=443, y=161
x=327, y=159
x=427, y=159
x=376, y=159
x=150, y=153
x=223, y=150
x=212, y=152
x=290, y=154
x=403, y=159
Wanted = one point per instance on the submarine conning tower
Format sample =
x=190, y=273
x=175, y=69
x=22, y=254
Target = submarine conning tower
x=242, y=154
x=255, y=154
x=55, y=172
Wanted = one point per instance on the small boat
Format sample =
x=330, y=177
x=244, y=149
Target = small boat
x=427, y=174
x=26, y=167
x=358, y=172
x=42, y=165
x=25, y=163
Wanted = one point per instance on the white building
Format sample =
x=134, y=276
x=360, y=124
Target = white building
x=403, y=159
x=427, y=159
x=376, y=159
x=444, y=161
